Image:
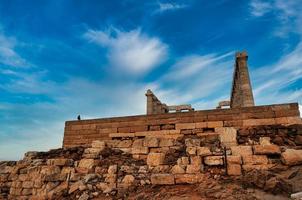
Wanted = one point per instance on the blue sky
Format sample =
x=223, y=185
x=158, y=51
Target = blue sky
x=62, y=58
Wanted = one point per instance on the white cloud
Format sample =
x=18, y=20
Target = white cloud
x=300, y=108
x=8, y=55
x=170, y=6
x=131, y=52
x=259, y=8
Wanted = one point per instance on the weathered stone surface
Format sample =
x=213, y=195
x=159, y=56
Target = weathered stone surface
x=161, y=169
x=190, y=142
x=124, y=144
x=234, y=160
x=183, y=161
x=203, y=151
x=213, y=160
x=191, y=150
x=166, y=142
x=177, y=169
x=292, y=157
x=60, y=162
x=241, y=150
x=195, y=160
x=188, y=178
x=98, y=144
x=75, y=186
x=255, y=160
x=151, y=142
x=106, y=187
x=110, y=178
x=266, y=149
x=128, y=180
x=87, y=163
x=112, y=169
x=234, y=169
x=192, y=169
x=162, y=179
x=138, y=143
x=250, y=167
x=155, y=159
x=227, y=136
x=140, y=150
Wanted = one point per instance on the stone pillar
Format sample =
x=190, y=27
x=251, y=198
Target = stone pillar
x=149, y=96
x=242, y=94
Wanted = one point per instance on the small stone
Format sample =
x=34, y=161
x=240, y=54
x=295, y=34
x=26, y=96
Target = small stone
x=265, y=140
x=292, y=157
x=112, y=169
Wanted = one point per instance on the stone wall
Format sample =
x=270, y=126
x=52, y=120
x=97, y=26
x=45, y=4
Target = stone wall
x=115, y=167
x=175, y=125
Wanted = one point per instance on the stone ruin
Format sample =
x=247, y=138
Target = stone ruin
x=240, y=152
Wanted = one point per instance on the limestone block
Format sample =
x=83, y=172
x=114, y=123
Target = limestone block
x=192, y=169
x=234, y=169
x=151, y=142
x=60, y=162
x=271, y=149
x=159, y=150
x=265, y=140
x=234, y=160
x=95, y=151
x=250, y=167
x=112, y=169
x=166, y=142
x=185, y=126
x=215, y=124
x=87, y=163
x=227, y=136
x=255, y=159
x=203, y=151
x=128, y=180
x=162, y=179
x=124, y=144
x=188, y=178
x=292, y=157
x=140, y=150
x=190, y=142
x=98, y=144
x=75, y=186
x=201, y=125
x=138, y=143
x=213, y=160
x=177, y=169
x=139, y=156
x=191, y=150
x=195, y=160
x=183, y=161
x=241, y=150
x=154, y=159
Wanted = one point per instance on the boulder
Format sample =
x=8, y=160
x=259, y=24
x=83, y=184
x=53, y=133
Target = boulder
x=155, y=159
x=162, y=179
x=271, y=149
x=292, y=157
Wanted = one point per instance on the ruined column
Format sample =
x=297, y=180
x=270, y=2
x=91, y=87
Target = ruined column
x=242, y=94
x=149, y=96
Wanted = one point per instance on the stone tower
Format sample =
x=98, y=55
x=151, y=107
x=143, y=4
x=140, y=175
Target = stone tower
x=242, y=94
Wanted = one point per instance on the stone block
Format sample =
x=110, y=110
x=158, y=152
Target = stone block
x=271, y=149
x=215, y=124
x=188, y=178
x=112, y=169
x=213, y=160
x=124, y=144
x=192, y=169
x=87, y=163
x=265, y=140
x=60, y=162
x=185, y=126
x=241, y=150
x=128, y=180
x=191, y=150
x=190, y=142
x=161, y=169
x=195, y=160
x=151, y=142
x=250, y=167
x=201, y=125
x=203, y=151
x=234, y=169
x=227, y=136
x=140, y=156
x=234, y=160
x=177, y=169
x=255, y=159
x=110, y=178
x=140, y=150
x=138, y=143
x=98, y=144
x=155, y=159
x=162, y=179
x=28, y=184
x=166, y=142
x=94, y=151
x=183, y=161
x=291, y=157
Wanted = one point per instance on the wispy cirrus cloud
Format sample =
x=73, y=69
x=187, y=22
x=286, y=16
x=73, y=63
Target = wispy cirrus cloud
x=132, y=52
x=162, y=7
